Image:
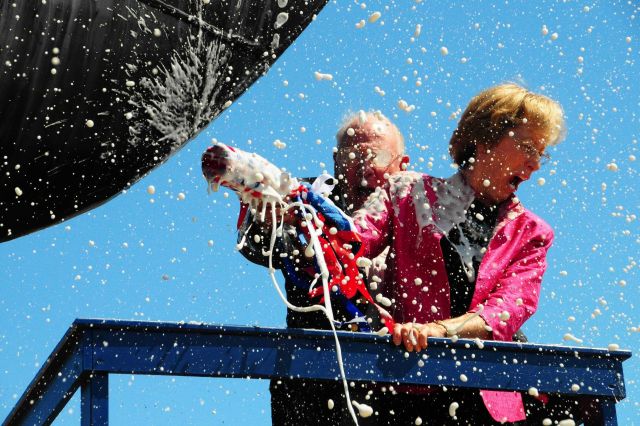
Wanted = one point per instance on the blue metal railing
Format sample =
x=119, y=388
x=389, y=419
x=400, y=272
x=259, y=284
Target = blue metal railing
x=92, y=349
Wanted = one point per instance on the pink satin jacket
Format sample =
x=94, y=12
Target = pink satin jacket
x=411, y=215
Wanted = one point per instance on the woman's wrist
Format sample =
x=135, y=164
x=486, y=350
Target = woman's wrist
x=447, y=333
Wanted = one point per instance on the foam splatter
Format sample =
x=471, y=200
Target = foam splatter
x=373, y=18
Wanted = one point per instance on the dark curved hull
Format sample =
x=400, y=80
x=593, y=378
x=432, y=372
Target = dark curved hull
x=134, y=80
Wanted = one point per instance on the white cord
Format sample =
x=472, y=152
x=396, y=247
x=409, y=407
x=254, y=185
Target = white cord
x=324, y=273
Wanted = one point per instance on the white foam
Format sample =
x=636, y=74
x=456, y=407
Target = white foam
x=571, y=337
x=373, y=18
x=452, y=409
x=383, y=331
x=281, y=19
x=404, y=105
x=363, y=409
x=322, y=76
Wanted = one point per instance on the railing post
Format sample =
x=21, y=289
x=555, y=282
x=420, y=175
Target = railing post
x=608, y=408
x=94, y=405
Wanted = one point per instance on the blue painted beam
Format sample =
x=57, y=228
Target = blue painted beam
x=206, y=350
x=101, y=347
x=94, y=404
x=54, y=385
x=609, y=413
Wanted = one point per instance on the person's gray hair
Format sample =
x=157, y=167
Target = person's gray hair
x=362, y=117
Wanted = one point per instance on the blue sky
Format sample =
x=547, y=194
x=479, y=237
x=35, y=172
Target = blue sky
x=137, y=259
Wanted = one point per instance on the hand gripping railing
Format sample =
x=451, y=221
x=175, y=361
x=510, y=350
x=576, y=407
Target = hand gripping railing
x=92, y=349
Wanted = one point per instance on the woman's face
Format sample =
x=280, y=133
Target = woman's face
x=498, y=171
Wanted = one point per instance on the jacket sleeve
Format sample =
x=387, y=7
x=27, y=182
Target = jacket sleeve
x=517, y=292
x=255, y=238
x=374, y=223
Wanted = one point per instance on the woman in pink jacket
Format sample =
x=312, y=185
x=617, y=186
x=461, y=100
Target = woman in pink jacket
x=467, y=258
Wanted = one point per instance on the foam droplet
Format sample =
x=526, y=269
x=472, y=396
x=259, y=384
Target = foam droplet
x=374, y=17
x=281, y=19
x=320, y=76
x=364, y=409
x=452, y=409
x=309, y=252
x=569, y=336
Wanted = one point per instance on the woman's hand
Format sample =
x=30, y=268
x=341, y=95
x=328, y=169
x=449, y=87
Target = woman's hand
x=414, y=336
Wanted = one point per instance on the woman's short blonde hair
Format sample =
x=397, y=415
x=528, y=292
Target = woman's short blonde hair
x=493, y=112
